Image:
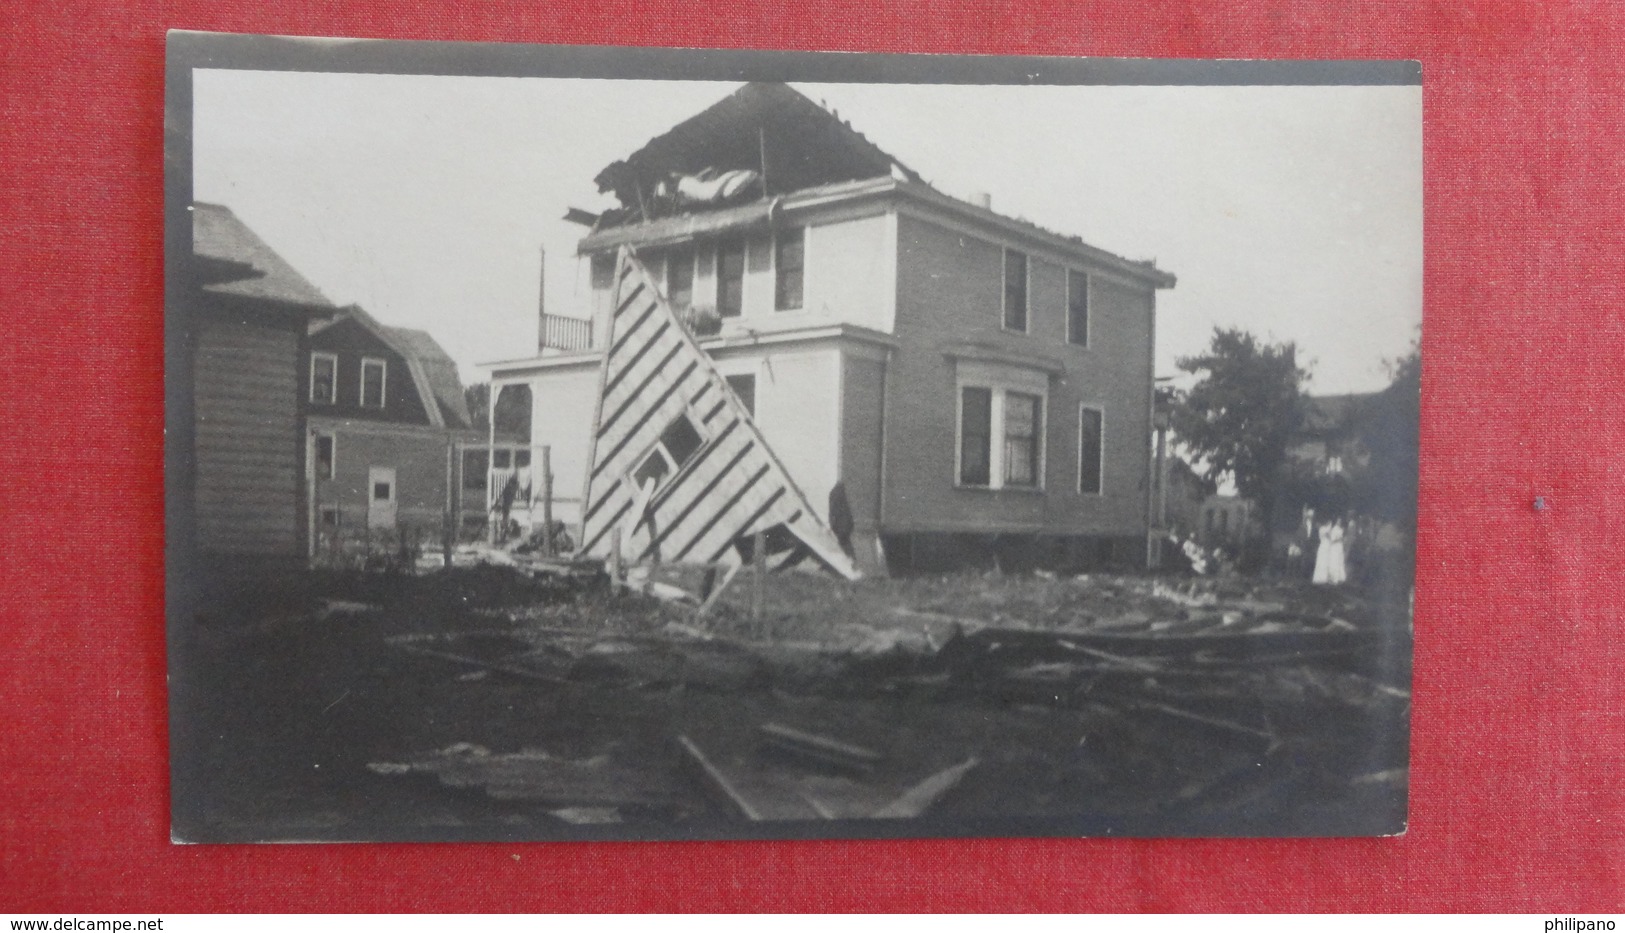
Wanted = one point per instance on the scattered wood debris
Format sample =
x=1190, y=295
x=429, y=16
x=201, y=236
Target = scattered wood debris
x=817, y=749
x=1212, y=691
x=920, y=798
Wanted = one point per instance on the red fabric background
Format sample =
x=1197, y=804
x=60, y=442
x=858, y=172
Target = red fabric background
x=1519, y=735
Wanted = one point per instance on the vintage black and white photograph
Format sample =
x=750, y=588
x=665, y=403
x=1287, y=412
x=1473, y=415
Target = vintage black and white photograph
x=638, y=444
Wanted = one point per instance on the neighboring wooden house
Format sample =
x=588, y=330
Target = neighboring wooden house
x=1227, y=521
x=959, y=378
x=1331, y=441
x=385, y=411
x=1186, y=493
x=244, y=314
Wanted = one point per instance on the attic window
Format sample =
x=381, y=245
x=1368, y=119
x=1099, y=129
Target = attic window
x=372, y=383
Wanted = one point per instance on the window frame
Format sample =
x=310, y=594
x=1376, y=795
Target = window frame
x=333, y=383
x=800, y=235
x=1100, y=454
x=659, y=449
x=1026, y=291
x=724, y=246
x=750, y=406
x=1036, y=440
x=601, y=271
x=1013, y=380
x=686, y=251
x=383, y=382
x=1088, y=308
x=332, y=440
x=959, y=437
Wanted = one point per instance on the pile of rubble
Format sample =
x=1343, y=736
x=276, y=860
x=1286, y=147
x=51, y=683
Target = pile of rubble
x=1201, y=694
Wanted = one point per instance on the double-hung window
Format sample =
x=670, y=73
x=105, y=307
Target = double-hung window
x=789, y=269
x=1023, y=430
x=680, y=278
x=1001, y=429
x=1015, y=290
x=324, y=378
x=373, y=372
x=1077, y=308
x=731, y=278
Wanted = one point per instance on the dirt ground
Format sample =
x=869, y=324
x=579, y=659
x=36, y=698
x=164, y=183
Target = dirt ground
x=480, y=704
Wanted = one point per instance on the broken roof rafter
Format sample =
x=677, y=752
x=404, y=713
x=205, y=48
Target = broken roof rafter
x=761, y=124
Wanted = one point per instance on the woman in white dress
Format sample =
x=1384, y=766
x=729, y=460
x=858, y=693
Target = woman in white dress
x=1329, y=563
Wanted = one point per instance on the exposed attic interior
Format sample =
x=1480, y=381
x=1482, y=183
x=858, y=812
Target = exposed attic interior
x=763, y=140
x=714, y=161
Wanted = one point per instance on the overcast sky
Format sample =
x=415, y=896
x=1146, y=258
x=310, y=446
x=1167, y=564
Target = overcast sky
x=1293, y=212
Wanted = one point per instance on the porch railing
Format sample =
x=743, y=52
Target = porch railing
x=566, y=333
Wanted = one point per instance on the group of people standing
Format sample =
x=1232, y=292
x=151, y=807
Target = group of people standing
x=1331, y=557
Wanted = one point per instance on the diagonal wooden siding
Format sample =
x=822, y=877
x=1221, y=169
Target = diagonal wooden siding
x=732, y=485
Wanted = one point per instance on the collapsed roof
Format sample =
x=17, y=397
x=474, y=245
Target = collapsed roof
x=771, y=130
x=763, y=127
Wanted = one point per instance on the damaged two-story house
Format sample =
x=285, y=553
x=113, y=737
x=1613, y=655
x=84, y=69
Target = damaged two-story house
x=955, y=381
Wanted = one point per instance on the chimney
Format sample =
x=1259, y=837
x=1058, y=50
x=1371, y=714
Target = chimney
x=982, y=200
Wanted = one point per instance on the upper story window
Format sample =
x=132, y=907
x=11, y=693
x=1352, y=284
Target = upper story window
x=731, y=278
x=680, y=278
x=603, y=270
x=789, y=269
x=1077, y=308
x=1015, y=290
x=373, y=372
x=324, y=378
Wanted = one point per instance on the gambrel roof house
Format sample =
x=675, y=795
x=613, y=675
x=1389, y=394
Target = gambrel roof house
x=935, y=375
x=385, y=411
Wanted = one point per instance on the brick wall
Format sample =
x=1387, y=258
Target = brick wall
x=950, y=293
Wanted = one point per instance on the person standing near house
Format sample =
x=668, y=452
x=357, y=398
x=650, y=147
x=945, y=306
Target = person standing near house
x=1329, y=563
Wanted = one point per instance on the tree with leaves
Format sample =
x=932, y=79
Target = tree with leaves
x=513, y=410
x=1240, y=416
